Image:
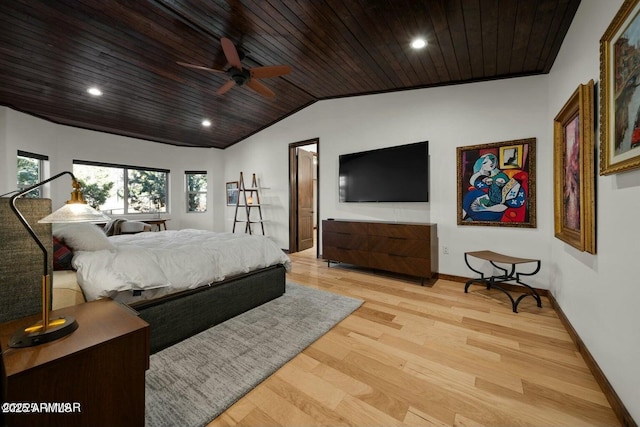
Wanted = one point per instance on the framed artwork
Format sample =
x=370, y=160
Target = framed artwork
x=496, y=184
x=573, y=171
x=232, y=193
x=619, y=92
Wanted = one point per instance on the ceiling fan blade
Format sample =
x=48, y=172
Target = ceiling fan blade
x=231, y=53
x=225, y=87
x=198, y=67
x=260, y=88
x=270, y=71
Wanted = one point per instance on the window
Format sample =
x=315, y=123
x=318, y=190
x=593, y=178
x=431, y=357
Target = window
x=196, y=182
x=30, y=172
x=118, y=189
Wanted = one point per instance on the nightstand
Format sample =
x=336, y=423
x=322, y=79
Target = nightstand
x=92, y=377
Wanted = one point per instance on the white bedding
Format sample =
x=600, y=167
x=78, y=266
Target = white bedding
x=175, y=260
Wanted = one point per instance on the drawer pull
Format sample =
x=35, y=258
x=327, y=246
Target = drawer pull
x=399, y=255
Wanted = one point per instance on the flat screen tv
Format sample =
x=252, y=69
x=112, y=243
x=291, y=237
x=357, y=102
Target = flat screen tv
x=393, y=174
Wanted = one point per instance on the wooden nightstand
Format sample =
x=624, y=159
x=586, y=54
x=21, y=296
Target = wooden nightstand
x=98, y=370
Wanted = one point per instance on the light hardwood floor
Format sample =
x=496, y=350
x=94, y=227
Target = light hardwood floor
x=414, y=355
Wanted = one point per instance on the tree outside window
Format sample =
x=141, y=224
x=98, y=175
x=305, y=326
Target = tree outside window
x=30, y=171
x=196, y=182
x=118, y=190
x=102, y=187
x=147, y=191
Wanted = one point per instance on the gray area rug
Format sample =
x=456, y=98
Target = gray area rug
x=194, y=381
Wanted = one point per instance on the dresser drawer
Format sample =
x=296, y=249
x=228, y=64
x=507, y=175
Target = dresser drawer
x=348, y=256
x=345, y=241
x=400, y=246
x=344, y=227
x=420, y=267
x=407, y=231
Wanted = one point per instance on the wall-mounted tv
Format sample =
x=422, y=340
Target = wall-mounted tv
x=393, y=174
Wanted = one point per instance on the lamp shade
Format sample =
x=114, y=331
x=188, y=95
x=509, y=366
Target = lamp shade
x=75, y=212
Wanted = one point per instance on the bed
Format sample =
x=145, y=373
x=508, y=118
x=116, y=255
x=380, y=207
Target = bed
x=180, y=281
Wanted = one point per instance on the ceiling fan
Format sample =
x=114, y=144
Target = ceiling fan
x=243, y=76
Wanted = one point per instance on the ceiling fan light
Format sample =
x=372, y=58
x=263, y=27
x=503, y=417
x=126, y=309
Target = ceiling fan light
x=206, y=123
x=94, y=91
x=418, y=43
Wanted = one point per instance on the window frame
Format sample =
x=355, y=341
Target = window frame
x=125, y=169
x=41, y=159
x=187, y=174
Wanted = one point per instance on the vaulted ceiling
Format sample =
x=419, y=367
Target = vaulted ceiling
x=51, y=51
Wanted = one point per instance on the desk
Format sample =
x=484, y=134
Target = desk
x=508, y=275
x=158, y=222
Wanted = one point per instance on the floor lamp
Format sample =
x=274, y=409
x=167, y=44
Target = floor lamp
x=75, y=210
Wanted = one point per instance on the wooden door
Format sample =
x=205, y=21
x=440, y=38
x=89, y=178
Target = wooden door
x=305, y=199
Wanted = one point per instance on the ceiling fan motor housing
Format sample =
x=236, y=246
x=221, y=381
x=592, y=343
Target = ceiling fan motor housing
x=239, y=76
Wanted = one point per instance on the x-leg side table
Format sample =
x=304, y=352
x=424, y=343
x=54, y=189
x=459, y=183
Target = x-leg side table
x=508, y=274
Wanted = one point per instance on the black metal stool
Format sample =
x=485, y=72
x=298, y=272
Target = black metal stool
x=508, y=274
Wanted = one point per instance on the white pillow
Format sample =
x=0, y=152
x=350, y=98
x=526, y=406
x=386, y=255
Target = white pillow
x=83, y=237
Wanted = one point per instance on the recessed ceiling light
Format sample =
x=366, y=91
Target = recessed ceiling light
x=418, y=43
x=94, y=91
x=206, y=123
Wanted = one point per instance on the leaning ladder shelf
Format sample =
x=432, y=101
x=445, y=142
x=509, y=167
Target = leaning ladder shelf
x=248, y=199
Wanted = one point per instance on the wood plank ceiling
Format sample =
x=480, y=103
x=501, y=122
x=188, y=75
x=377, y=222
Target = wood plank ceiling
x=52, y=50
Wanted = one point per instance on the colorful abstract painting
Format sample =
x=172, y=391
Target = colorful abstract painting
x=496, y=184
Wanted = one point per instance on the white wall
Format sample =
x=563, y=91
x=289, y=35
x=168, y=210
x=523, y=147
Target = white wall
x=63, y=144
x=599, y=293
x=447, y=117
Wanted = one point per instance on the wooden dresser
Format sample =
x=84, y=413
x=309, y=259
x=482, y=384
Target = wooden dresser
x=92, y=377
x=407, y=248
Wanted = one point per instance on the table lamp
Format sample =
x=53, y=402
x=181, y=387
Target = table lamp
x=75, y=210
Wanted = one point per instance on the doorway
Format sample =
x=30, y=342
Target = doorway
x=304, y=179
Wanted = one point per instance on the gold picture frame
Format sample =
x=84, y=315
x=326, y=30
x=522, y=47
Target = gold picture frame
x=619, y=92
x=574, y=171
